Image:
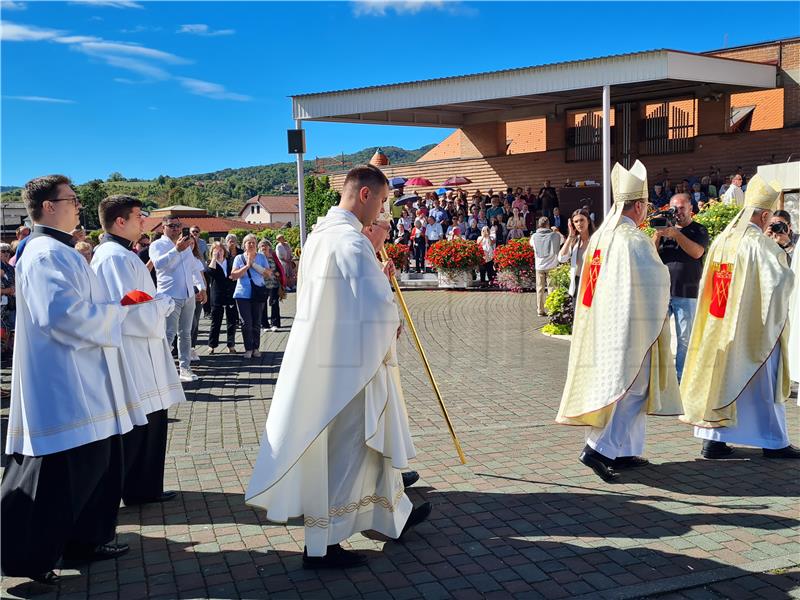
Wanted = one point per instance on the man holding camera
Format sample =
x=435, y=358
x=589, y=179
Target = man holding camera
x=681, y=245
x=172, y=259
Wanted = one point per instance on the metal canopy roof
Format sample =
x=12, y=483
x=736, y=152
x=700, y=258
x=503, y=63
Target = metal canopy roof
x=528, y=92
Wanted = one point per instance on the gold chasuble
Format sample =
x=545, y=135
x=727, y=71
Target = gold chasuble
x=742, y=314
x=621, y=314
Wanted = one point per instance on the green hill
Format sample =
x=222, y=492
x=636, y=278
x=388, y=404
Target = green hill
x=221, y=192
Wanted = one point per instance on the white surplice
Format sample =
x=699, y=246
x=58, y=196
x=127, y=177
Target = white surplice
x=144, y=340
x=337, y=430
x=624, y=434
x=760, y=421
x=70, y=385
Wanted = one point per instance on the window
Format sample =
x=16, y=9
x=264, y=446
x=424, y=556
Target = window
x=585, y=134
x=668, y=127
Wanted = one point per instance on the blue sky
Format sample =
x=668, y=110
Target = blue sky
x=149, y=88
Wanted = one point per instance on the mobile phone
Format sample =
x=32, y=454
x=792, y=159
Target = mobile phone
x=185, y=232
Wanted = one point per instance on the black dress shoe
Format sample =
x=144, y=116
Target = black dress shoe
x=163, y=497
x=787, y=452
x=602, y=466
x=335, y=558
x=630, y=462
x=101, y=552
x=417, y=516
x=410, y=478
x=47, y=578
x=714, y=450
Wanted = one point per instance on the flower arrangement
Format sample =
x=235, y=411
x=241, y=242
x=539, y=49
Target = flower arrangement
x=399, y=254
x=515, y=264
x=515, y=255
x=454, y=255
x=716, y=216
x=559, y=305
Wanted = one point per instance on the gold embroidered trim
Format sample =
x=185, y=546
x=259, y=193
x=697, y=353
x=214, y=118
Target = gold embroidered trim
x=338, y=511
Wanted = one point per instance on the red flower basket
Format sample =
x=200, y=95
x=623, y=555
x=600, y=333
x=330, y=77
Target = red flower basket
x=455, y=255
x=516, y=255
x=399, y=254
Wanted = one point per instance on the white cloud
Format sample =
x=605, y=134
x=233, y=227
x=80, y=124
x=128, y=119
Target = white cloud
x=142, y=29
x=103, y=48
x=140, y=67
x=381, y=8
x=75, y=39
x=109, y=3
x=40, y=99
x=12, y=32
x=211, y=90
x=11, y=5
x=205, y=30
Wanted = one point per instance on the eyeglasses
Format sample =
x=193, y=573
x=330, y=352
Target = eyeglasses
x=173, y=226
x=74, y=199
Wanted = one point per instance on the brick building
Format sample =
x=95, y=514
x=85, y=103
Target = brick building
x=697, y=120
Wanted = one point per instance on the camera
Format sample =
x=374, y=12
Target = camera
x=185, y=232
x=664, y=219
x=779, y=227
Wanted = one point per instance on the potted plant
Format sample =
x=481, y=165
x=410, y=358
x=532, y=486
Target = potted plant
x=516, y=270
x=454, y=261
x=399, y=255
x=559, y=305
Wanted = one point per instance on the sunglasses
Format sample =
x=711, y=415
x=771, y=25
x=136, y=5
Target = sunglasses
x=173, y=226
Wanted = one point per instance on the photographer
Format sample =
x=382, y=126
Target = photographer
x=681, y=245
x=780, y=230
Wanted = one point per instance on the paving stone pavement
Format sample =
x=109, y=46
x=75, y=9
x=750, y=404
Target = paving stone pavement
x=523, y=519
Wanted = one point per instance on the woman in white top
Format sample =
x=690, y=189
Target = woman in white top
x=487, y=244
x=581, y=229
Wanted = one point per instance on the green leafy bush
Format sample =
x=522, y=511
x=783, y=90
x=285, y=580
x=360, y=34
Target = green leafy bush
x=716, y=217
x=559, y=277
x=553, y=329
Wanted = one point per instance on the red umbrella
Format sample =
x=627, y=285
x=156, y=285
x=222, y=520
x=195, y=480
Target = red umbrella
x=456, y=181
x=419, y=182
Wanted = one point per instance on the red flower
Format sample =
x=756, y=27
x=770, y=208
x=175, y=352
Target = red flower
x=455, y=254
x=516, y=255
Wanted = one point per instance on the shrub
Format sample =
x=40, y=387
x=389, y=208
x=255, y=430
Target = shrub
x=716, y=216
x=559, y=277
x=553, y=329
x=455, y=255
x=560, y=309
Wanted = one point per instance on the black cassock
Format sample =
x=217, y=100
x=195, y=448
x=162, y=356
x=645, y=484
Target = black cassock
x=65, y=503
x=144, y=448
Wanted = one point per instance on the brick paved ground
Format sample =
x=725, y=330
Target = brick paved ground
x=523, y=519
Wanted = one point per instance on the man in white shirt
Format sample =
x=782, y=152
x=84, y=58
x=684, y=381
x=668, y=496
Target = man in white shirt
x=433, y=231
x=72, y=397
x=173, y=260
x=147, y=353
x=734, y=193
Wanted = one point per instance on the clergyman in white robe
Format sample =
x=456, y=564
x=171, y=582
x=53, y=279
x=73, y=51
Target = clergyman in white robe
x=337, y=431
x=145, y=347
x=72, y=397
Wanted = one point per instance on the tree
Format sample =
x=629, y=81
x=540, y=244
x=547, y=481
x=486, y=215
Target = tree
x=91, y=194
x=319, y=198
x=116, y=176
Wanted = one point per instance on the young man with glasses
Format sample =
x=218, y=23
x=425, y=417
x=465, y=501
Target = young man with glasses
x=173, y=261
x=71, y=400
